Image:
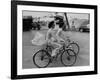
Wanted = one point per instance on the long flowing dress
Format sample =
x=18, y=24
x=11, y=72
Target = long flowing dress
x=39, y=39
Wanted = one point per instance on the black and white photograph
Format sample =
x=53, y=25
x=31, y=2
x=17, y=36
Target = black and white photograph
x=53, y=39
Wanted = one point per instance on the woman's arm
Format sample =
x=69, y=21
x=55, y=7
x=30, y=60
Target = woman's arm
x=48, y=35
x=60, y=35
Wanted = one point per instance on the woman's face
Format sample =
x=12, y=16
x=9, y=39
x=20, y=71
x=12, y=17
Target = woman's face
x=56, y=21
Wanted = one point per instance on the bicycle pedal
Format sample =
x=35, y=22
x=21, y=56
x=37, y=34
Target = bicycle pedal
x=52, y=59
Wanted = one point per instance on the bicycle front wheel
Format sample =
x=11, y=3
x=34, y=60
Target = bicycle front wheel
x=75, y=47
x=41, y=59
x=67, y=59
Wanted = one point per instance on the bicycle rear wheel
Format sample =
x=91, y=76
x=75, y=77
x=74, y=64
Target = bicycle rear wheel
x=75, y=47
x=41, y=59
x=67, y=59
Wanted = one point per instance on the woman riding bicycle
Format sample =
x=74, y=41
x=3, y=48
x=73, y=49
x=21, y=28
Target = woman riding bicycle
x=54, y=36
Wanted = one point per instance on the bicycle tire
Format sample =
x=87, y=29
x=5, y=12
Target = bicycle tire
x=68, y=57
x=35, y=61
x=72, y=45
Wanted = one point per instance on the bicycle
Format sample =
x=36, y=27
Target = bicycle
x=43, y=58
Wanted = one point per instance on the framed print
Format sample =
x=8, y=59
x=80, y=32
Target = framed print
x=53, y=39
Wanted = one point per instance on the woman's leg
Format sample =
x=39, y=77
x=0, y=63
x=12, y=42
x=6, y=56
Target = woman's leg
x=57, y=48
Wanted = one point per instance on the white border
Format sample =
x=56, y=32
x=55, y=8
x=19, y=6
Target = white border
x=21, y=71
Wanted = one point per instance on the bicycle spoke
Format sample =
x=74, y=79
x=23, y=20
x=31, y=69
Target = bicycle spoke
x=68, y=60
x=75, y=47
x=41, y=59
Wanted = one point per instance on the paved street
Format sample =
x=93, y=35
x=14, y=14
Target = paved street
x=81, y=38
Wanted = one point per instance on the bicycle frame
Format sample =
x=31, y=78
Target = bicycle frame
x=49, y=51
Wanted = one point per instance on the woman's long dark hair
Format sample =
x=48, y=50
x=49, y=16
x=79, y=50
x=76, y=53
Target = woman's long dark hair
x=51, y=25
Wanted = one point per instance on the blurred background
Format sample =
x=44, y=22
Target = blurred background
x=33, y=20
